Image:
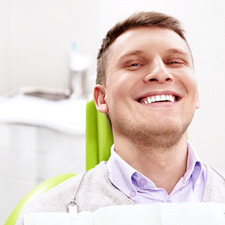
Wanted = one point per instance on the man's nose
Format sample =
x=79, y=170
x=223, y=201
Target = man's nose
x=158, y=73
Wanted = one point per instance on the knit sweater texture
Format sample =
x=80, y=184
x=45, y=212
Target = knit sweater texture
x=97, y=191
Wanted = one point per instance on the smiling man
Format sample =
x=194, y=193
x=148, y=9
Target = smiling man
x=150, y=95
x=147, y=87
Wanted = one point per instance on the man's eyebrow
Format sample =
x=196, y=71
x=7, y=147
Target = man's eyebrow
x=130, y=53
x=177, y=51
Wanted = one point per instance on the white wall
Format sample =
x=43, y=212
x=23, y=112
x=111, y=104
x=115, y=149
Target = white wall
x=5, y=47
x=36, y=37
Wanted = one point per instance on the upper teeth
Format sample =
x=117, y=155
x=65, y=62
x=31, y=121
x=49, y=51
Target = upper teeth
x=158, y=98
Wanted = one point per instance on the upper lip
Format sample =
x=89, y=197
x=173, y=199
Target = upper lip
x=164, y=92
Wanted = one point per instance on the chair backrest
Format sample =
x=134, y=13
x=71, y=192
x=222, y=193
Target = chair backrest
x=98, y=143
x=99, y=138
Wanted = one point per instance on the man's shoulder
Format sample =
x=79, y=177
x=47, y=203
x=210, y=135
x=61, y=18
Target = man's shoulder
x=65, y=191
x=57, y=198
x=216, y=173
x=215, y=187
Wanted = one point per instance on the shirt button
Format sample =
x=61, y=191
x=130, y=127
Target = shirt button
x=132, y=194
x=168, y=201
x=142, y=182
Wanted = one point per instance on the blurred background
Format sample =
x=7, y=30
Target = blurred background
x=47, y=71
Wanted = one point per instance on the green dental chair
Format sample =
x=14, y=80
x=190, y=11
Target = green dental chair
x=98, y=143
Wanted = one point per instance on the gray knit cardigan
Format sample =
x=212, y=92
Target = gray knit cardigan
x=97, y=191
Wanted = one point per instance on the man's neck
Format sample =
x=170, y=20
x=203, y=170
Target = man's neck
x=163, y=166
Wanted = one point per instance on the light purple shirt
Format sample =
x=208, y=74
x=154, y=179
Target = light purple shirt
x=190, y=188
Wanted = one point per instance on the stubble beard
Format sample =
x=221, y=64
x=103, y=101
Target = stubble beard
x=157, y=138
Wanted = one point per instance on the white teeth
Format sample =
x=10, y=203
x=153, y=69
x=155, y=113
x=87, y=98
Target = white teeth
x=158, y=98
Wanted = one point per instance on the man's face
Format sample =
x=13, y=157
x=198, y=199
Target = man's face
x=150, y=85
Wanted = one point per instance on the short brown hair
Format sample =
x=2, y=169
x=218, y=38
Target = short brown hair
x=136, y=20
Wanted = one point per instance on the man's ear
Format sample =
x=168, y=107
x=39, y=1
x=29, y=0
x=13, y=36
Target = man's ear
x=100, y=98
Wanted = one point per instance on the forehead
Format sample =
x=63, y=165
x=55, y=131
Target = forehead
x=149, y=39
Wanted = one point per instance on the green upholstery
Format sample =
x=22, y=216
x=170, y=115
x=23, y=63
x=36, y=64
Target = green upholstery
x=98, y=143
x=99, y=138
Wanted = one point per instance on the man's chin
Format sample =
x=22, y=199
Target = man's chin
x=160, y=136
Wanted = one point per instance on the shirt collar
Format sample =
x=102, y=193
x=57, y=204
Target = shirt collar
x=194, y=166
x=120, y=173
x=126, y=178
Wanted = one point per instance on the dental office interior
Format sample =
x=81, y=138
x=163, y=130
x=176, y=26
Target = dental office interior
x=47, y=73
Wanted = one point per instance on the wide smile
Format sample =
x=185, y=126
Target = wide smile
x=159, y=98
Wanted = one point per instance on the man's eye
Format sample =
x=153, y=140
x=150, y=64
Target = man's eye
x=134, y=65
x=177, y=61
